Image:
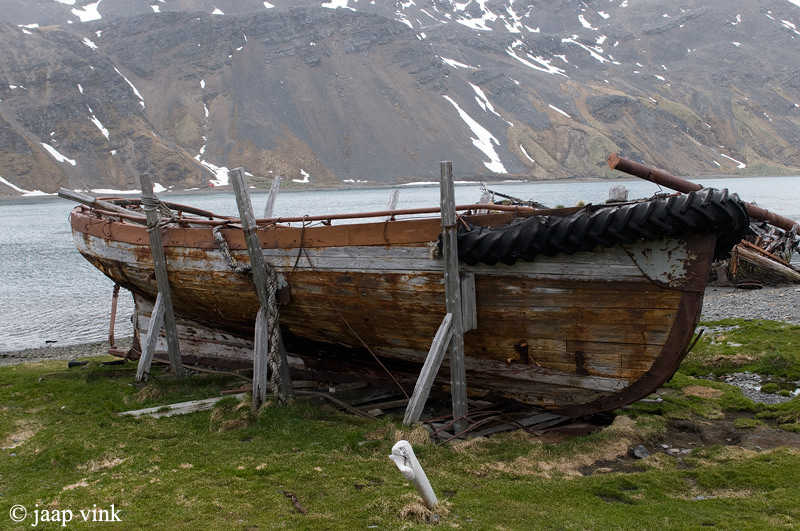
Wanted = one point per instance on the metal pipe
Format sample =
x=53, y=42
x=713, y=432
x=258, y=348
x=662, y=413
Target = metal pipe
x=403, y=456
x=359, y=215
x=615, y=162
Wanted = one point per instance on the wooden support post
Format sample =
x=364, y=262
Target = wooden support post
x=149, y=203
x=273, y=194
x=433, y=361
x=452, y=284
x=469, y=308
x=266, y=296
x=149, y=348
x=461, y=306
x=392, y=204
x=261, y=358
x=617, y=194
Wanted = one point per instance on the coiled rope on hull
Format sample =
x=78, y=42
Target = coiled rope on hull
x=706, y=211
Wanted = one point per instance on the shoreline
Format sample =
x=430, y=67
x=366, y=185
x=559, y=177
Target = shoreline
x=773, y=303
x=623, y=177
x=65, y=352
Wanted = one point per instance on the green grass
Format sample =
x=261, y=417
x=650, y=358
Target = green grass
x=231, y=468
x=766, y=347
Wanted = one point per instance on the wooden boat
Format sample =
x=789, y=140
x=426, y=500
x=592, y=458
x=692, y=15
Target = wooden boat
x=579, y=310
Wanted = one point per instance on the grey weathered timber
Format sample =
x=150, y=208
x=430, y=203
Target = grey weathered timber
x=86, y=199
x=617, y=193
x=149, y=202
x=392, y=204
x=452, y=284
x=258, y=268
x=469, y=304
x=150, y=340
x=260, y=358
x=273, y=195
x=433, y=361
x=181, y=408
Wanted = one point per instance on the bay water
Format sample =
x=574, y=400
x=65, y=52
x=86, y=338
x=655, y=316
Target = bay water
x=50, y=295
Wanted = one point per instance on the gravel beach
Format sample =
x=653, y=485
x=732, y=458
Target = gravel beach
x=777, y=303
x=780, y=303
x=68, y=352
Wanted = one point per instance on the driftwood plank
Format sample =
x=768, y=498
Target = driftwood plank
x=539, y=421
x=180, y=408
x=88, y=200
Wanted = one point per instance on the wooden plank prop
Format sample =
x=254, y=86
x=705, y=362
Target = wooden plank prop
x=268, y=351
x=273, y=195
x=450, y=335
x=163, y=307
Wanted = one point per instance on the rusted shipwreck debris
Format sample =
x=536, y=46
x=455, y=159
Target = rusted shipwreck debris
x=575, y=310
x=762, y=257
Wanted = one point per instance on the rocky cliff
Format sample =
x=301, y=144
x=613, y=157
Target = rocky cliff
x=94, y=93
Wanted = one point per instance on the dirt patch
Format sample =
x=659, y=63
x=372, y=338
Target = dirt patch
x=702, y=391
x=684, y=436
x=24, y=431
x=690, y=434
x=101, y=464
x=736, y=360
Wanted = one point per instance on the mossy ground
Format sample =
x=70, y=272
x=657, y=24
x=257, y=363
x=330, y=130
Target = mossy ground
x=308, y=466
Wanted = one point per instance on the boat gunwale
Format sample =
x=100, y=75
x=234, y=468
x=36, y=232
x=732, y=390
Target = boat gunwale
x=467, y=209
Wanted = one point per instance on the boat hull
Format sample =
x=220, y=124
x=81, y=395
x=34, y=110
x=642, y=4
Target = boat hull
x=575, y=333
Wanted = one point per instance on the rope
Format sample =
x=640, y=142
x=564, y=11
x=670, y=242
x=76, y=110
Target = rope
x=273, y=314
x=165, y=214
x=275, y=342
x=226, y=252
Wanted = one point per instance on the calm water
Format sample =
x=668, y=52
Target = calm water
x=50, y=295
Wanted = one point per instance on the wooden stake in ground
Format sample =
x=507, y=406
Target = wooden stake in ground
x=452, y=284
x=450, y=335
x=150, y=205
x=268, y=351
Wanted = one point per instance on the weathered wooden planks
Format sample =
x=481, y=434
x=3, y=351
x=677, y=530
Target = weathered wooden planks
x=552, y=332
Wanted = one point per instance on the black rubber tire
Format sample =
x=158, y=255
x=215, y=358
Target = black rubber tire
x=707, y=211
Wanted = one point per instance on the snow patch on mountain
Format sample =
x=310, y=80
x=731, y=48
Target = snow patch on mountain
x=483, y=140
x=88, y=13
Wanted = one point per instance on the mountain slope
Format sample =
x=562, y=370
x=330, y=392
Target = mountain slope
x=382, y=91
